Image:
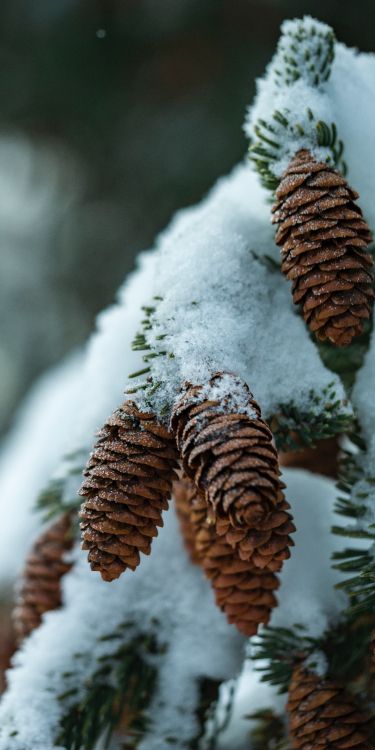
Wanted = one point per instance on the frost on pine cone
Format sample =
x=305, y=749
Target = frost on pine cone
x=324, y=240
x=233, y=462
x=40, y=590
x=323, y=715
x=242, y=591
x=128, y=485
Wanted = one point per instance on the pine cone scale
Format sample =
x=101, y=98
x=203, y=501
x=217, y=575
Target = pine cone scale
x=322, y=714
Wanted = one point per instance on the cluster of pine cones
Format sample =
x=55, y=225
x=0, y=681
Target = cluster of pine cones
x=220, y=463
x=224, y=469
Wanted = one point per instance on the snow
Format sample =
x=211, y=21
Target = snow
x=30, y=454
x=224, y=309
x=306, y=595
x=352, y=80
x=174, y=594
x=199, y=641
x=221, y=306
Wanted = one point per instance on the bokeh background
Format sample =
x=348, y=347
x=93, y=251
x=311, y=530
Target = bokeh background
x=114, y=113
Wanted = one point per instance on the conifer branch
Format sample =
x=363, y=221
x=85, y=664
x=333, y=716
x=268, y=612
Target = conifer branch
x=268, y=142
x=116, y=696
x=356, y=497
x=344, y=647
x=324, y=416
x=60, y=495
x=306, y=50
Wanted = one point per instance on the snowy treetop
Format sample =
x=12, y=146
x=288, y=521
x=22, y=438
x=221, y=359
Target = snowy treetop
x=346, y=100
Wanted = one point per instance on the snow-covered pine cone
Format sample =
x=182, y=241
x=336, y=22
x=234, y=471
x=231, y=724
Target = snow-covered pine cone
x=128, y=484
x=323, y=715
x=40, y=589
x=233, y=462
x=323, y=238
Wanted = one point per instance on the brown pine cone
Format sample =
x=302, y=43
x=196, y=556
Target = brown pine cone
x=184, y=493
x=40, y=589
x=128, y=485
x=323, y=715
x=324, y=240
x=230, y=456
x=243, y=592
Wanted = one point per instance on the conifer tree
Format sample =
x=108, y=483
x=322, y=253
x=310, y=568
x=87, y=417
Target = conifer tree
x=231, y=382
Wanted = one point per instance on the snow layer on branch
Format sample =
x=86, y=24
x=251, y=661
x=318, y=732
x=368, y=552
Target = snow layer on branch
x=165, y=588
x=224, y=308
x=346, y=99
x=30, y=454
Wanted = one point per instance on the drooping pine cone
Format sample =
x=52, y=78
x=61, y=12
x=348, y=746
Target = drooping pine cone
x=227, y=450
x=324, y=240
x=40, y=589
x=323, y=715
x=128, y=485
x=184, y=493
x=242, y=591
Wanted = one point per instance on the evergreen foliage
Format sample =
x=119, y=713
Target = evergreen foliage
x=59, y=496
x=305, y=50
x=357, y=562
x=117, y=695
x=141, y=343
x=266, y=145
x=323, y=417
x=269, y=731
x=344, y=647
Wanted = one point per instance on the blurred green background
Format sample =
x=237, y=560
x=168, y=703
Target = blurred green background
x=114, y=113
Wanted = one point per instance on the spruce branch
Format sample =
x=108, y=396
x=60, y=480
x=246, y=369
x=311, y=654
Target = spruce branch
x=324, y=416
x=306, y=50
x=278, y=649
x=142, y=343
x=356, y=486
x=344, y=647
x=116, y=695
x=59, y=495
x=268, y=142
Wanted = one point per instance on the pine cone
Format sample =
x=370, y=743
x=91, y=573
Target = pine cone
x=324, y=237
x=184, y=493
x=45, y=566
x=230, y=456
x=243, y=592
x=323, y=715
x=128, y=485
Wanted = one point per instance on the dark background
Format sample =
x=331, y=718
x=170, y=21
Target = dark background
x=115, y=113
